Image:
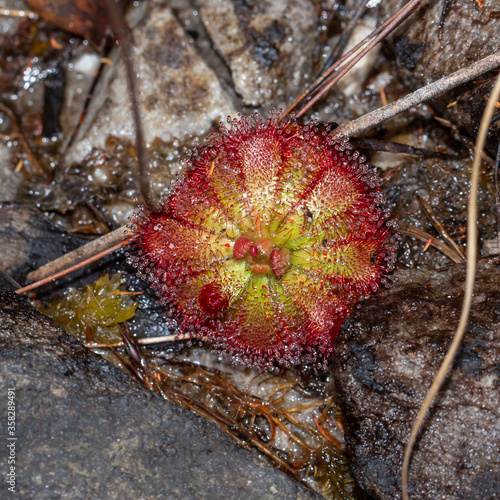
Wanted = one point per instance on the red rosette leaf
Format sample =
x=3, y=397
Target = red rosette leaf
x=267, y=242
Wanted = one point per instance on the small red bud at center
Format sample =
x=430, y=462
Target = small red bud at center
x=280, y=262
x=241, y=247
x=262, y=248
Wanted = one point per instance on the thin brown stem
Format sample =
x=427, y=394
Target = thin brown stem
x=469, y=285
x=465, y=140
x=437, y=224
x=84, y=252
x=382, y=32
x=79, y=265
x=373, y=144
x=333, y=74
x=18, y=13
x=430, y=91
x=122, y=35
x=344, y=37
x=414, y=232
x=142, y=341
x=325, y=433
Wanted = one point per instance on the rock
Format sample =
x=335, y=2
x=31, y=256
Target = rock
x=85, y=429
x=445, y=186
x=180, y=96
x=29, y=240
x=267, y=45
x=469, y=34
x=385, y=361
x=11, y=180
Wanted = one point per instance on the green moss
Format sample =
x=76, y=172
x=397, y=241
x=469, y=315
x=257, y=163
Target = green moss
x=91, y=313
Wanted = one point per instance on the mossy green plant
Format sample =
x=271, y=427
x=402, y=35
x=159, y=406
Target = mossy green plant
x=92, y=312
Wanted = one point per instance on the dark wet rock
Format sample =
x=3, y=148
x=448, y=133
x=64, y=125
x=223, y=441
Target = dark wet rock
x=28, y=239
x=53, y=98
x=86, y=430
x=266, y=44
x=385, y=361
x=445, y=185
x=469, y=34
x=8, y=283
x=10, y=180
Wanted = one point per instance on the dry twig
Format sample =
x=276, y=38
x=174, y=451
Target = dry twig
x=122, y=34
x=142, y=341
x=338, y=70
x=421, y=235
x=86, y=254
x=469, y=285
x=430, y=91
x=435, y=222
x=18, y=13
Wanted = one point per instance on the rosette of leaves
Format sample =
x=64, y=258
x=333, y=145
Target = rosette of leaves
x=266, y=243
